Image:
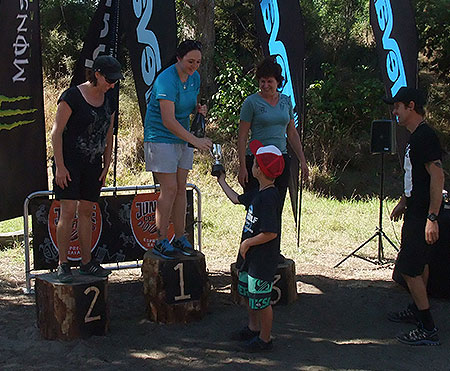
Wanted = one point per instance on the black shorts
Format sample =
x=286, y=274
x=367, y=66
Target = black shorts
x=84, y=184
x=414, y=252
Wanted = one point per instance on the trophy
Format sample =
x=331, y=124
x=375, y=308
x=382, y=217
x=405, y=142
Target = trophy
x=217, y=168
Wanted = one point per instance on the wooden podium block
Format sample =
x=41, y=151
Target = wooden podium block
x=284, y=289
x=68, y=311
x=176, y=291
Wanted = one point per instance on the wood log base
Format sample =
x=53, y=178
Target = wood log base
x=176, y=291
x=68, y=311
x=284, y=289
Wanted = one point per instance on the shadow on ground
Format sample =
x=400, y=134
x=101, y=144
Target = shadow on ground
x=334, y=324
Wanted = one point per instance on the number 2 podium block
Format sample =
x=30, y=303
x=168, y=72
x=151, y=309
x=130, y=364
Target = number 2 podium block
x=68, y=311
x=284, y=289
x=176, y=291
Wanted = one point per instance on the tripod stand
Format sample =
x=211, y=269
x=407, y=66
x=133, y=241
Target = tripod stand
x=379, y=231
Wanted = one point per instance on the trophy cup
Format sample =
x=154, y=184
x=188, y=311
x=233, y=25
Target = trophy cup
x=217, y=168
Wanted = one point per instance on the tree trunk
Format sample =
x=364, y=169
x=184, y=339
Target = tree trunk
x=68, y=311
x=176, y=291
x=205, y=33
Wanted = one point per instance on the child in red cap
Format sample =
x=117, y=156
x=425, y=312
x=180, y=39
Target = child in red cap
x=258, y=254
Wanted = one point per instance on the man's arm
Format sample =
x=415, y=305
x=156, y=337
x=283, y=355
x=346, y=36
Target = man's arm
x=434, y=168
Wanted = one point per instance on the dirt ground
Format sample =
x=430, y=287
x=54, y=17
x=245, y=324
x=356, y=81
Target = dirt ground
x=337, y=323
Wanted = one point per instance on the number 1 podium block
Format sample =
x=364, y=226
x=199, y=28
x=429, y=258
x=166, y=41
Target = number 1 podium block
x=176, y=291
x=74, y=310
x=284, y=289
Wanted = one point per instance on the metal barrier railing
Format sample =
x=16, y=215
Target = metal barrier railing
x=28, y=271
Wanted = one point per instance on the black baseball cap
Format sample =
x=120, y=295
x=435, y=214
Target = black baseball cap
x=406, y=94
x=108, y=66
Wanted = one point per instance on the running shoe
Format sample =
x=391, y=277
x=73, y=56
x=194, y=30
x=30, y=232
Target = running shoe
x=94, y=269
x=64, y=273
x=405, y=316
x=420, y=336
x=257, y=345
x=244, y=334
x=184, y=246
x=164, y=249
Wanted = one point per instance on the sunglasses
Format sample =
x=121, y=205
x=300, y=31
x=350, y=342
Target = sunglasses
x=109, y=81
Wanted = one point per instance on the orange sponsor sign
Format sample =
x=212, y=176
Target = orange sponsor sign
x=74, y=252
x=143, y=220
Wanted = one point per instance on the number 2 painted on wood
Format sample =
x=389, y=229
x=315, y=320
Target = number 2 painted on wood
x=179, y=267
x=87, y=317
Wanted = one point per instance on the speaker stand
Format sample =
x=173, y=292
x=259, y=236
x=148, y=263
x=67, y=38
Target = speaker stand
x=379, y=230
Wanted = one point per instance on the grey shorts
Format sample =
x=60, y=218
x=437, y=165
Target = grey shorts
x=167, y=157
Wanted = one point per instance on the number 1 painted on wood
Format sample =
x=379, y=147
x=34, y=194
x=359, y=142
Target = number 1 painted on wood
x=179, y=267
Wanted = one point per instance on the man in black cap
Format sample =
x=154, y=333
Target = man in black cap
x=420, y=204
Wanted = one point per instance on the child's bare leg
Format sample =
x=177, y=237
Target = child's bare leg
x=266, y=317
x=253, y=319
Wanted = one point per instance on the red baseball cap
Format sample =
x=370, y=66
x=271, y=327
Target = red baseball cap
x=269, y=158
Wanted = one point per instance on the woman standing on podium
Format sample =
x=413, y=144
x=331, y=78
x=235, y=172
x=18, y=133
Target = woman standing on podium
x=82, y=147
x=166, y=137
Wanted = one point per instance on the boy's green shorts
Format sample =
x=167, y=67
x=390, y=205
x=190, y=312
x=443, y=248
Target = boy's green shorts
x=258, y=292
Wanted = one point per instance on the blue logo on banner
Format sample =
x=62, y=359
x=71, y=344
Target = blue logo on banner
x=271, y=20
x=394, y=62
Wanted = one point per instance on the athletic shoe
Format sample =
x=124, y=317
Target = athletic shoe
x=164, y=249
x=183, y=245
x=244, y=334
x=64, y=273
x=420, y=336
x=405, y=316
x=257, y=345
x=94, y=269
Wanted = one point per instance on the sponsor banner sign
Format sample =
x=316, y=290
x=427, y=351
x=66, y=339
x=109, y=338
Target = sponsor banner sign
x=123, y=229
x=279, y=24
x=151, y=36
x=101, y=38
x=395, y=32
x=23, y=167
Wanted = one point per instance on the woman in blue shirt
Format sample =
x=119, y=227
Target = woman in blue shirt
x=166, y=138
x=268, y=117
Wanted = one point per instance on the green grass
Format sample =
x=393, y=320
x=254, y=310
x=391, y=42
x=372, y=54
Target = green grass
x=11, y=225
x=327, y=224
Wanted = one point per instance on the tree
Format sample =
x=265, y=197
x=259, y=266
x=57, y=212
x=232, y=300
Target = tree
x=64, y=24
x=202, y=12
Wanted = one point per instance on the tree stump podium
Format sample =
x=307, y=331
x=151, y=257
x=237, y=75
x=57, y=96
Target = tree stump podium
x=68, y=311
x=176, y=291
x=284, y=289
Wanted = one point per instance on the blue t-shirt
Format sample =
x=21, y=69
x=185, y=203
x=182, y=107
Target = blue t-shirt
x=268, y=123
x=169, y=86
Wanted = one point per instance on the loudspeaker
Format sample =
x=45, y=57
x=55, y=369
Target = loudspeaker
x=382, y=137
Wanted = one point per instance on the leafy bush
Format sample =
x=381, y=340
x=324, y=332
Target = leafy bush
x=340, y=108
x=234, y=86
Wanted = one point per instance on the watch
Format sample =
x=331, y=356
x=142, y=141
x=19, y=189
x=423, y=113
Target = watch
x=432, y=217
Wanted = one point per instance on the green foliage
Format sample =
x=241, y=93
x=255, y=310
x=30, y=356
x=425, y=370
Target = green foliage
x=432, y=18
x=340, y=108
x=64, y=24
x=234, y=86
x=237, y=51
